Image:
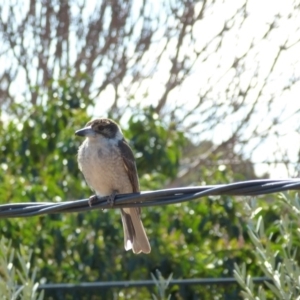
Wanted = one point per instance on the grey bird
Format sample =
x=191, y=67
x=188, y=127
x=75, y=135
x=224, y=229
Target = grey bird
x=109, y=168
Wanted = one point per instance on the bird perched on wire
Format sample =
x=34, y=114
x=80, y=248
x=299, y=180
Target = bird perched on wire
x=108, y=165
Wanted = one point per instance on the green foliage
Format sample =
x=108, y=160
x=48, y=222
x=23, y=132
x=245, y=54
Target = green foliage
x=156, y=146
x=16, y=279
x=276, y=253
x=39, y=164
x=202, y=238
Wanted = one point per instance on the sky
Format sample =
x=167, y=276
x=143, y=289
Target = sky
x=212, y=74
x=259, y=60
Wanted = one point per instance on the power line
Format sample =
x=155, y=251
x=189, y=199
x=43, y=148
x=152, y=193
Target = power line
x=151, y=198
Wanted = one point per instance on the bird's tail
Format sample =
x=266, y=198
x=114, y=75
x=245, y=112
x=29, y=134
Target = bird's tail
x=135, y=237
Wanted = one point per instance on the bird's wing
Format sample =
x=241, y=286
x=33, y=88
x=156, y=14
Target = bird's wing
x=129, y=164
x=135, y=237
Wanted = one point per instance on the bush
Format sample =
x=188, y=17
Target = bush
x=275, y=251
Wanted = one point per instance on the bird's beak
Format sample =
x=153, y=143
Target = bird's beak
x=86, y=131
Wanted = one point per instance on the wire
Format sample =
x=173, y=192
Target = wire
x=154, y=198
x=127, y=284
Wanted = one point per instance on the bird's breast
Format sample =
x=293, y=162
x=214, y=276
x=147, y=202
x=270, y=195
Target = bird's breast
x=103, y=168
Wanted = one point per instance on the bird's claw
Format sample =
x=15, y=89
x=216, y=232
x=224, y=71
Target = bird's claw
x=111, y=198
x=92, y=200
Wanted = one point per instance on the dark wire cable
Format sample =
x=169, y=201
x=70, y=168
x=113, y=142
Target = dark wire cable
x=144, y=199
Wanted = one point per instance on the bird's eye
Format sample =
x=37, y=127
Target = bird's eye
x=106, y=130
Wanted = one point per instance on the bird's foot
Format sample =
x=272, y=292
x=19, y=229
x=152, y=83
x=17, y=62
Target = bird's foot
x=92, y=200
x=111, y=198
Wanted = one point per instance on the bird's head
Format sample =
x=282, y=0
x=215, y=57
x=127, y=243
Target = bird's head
x=101, y=128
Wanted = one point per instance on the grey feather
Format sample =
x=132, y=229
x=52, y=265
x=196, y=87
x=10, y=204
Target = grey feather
x=134, y=233
x=133, y=227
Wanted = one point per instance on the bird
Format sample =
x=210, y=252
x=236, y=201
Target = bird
x=108, y=166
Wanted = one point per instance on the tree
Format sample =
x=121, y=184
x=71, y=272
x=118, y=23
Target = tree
x=170, y=81
x=204, y=66
x=39, y=163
